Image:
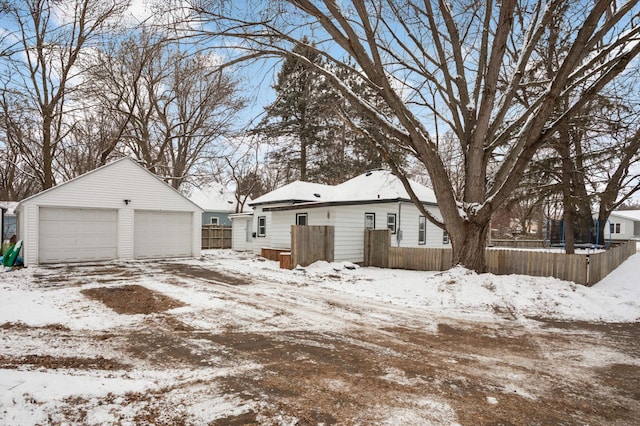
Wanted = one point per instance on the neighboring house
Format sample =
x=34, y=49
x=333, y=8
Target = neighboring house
x=623, y=225
x=9, y=219
x=117, y=211
x=217, y=204
x=375, y=200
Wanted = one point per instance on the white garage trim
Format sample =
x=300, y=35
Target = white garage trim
x=121, y=187
x=77, y=234
x=161, y=234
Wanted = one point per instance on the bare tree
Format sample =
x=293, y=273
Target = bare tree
x=51, y=37
x=170, y=105
x=469, y=64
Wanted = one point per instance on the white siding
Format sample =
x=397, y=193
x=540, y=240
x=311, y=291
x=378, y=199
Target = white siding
x=348, y=221
x=125, y=233
x=240, y=226
x=409, y=226
x=28, y=233
x=349, y=237
x=259, y=242
x=626, y=228
x=108, y=188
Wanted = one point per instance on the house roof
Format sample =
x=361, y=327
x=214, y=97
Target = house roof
x=372, y=186
x=379, y=185
x=627, y=214
x=97, y=170
x=215, y=198
x=9, y=206
x=295, y=192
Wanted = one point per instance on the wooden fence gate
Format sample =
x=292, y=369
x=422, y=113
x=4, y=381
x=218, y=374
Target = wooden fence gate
x=376, y=247
x=311, y=243
x=216, y=237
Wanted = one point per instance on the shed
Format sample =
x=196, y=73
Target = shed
x=117, y=211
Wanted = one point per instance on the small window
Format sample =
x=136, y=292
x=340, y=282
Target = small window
x=445, y=237
x=422, y=230
x=215, y=221
x=617, y=228
x=391, y=222
x=262, y=226
x=611, y=228
x=369, y=220
x=301, y=219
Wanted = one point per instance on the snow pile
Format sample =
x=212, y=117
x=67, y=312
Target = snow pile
x=460, y=291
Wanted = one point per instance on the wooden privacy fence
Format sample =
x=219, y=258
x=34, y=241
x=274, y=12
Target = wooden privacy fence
x=216, y=237
x=311, y=243
x=377, y=243
x=580, y=268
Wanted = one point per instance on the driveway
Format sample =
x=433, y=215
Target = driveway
x=189, y=342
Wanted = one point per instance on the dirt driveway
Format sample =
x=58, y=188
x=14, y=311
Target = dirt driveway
x=259, y=353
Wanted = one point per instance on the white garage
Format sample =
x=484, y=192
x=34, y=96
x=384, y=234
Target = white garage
x=75, y=235
x=118, y=211
x=162, y=234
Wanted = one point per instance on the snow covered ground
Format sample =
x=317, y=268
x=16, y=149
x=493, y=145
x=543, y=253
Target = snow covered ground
x=44, y=315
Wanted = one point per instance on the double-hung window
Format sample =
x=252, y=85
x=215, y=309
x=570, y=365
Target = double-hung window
x=391, y=222
x=422, y=230
x=262, y=226
x=302, y=219
x=370, y=220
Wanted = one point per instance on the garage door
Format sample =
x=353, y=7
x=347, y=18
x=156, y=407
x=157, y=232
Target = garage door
x=76, y=235
x=162, y=234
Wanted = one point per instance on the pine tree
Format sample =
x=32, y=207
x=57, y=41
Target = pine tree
x=309, y=124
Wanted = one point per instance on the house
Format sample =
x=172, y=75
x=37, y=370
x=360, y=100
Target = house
x=375, y=200
x=9, y=219
x=217, y=204
x=117, y=211
x=623, y=225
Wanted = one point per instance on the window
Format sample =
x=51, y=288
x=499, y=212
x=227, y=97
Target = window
x=262, y=226
x=369, y=220
x=391, y=222
x=617, y=228
x=445, y=237
x=611, y=228
x=215, y=221
x=422, y=230
x=301, y=219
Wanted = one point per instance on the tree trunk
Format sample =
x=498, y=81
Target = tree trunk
x=468, y=245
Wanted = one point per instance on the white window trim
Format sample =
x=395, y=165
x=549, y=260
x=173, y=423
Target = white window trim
x=392, y=226
x=215, y=220
x=262, y=219
x=306, y=217
x=372, y=215
x=422, y=223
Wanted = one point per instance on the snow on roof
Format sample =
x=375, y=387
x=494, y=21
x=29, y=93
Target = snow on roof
x=296, y=191
x=370, y=186
x=627, y=214
x=10, y=206
x=214, y=198
x=379, y=185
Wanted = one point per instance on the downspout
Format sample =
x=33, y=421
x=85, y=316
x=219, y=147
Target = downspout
x=398, y=230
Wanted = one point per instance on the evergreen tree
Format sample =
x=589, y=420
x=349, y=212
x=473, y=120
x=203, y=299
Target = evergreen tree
x=294, y=119
x=309, y=124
